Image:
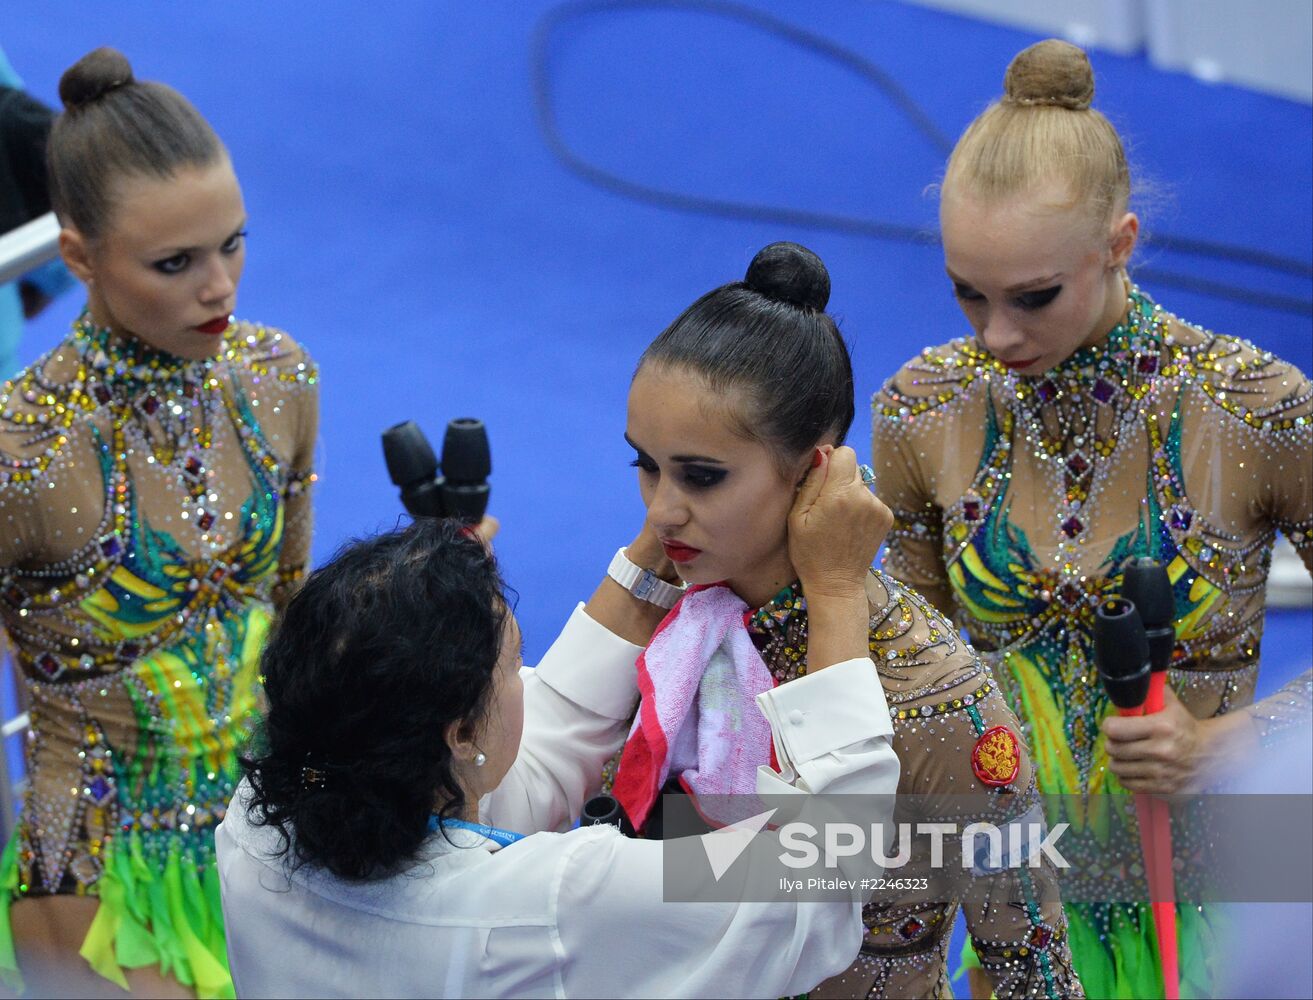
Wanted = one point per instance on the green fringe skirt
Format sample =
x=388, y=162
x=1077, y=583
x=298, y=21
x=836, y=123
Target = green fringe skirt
x=168, y=918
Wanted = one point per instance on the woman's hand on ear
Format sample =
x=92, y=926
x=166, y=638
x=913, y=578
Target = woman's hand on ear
x=836, y=526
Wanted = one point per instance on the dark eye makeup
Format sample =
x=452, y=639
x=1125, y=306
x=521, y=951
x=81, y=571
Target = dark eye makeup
x=698, y=477
x=702, y=477
x=1038, y=299
x=179, y=261
x=173, y=265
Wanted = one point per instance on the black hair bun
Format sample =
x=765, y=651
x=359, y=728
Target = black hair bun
x=788, y=272
x=93, y=76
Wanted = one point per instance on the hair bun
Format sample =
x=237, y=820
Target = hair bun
x=1051, y=72
x=788, y=272
x=93, y=76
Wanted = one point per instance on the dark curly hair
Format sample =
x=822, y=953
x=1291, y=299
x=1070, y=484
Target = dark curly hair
x=373, y=658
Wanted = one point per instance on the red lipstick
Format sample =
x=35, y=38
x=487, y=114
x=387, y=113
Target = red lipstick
x=678, y=552
x=216, y=325
x=1018, y=365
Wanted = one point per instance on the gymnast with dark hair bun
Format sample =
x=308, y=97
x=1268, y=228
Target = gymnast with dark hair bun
x=731, y=406
x=155, y=470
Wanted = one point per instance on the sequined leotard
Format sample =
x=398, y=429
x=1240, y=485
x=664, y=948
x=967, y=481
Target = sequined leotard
x=154, y=508
x=1018, y=499
x=946, y=711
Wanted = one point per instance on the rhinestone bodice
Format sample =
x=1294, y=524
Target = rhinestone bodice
x=1019, y=499
x=156, y=508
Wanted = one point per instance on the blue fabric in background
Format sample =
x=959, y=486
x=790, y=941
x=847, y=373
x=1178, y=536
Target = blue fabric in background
x=410, y=225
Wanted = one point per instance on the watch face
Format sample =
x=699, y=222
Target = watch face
x=646, y=585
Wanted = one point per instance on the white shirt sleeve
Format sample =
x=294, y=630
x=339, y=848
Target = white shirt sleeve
x=577, y=704
x=619, y=938
x=832, y=732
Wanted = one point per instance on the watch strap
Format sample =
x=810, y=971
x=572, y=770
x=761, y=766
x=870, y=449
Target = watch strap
x=642, y=583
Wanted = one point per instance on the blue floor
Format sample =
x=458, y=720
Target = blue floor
x=410, y=224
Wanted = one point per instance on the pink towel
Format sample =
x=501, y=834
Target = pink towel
x=701, y=651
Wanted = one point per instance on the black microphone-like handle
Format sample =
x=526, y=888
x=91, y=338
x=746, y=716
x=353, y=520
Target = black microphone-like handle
x=1145, y=584
x=602, y=810
x=413, y=467
x=1121, y=652
x=463, y=493
x=467, y=462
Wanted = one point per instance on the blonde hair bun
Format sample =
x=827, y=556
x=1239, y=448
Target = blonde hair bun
x=1051, y=72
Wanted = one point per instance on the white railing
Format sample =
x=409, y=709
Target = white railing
x=15, y=725
x=21, y=250
x=27, y=247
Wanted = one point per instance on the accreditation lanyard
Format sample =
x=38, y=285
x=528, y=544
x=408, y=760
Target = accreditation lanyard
x=500, y=837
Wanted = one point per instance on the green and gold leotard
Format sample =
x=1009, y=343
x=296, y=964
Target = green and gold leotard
x=1019, y=499
x=155, y=509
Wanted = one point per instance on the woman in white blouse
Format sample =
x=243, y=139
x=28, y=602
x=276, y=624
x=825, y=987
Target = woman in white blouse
x=354, y=860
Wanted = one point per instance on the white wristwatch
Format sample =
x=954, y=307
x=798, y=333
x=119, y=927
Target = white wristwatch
x=642, y=583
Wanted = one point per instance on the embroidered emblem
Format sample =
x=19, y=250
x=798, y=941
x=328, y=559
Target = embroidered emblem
x=996, y=757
